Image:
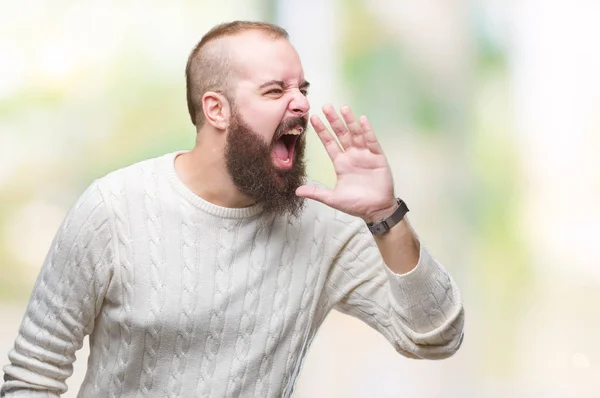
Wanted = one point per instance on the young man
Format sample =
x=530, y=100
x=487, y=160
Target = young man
x=207, y=273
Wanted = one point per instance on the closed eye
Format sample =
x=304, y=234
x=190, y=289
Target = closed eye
x=276, y=91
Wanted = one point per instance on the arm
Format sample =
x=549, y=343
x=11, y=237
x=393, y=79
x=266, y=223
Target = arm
x=391, y=282
x=64, y=303
x=419, y=312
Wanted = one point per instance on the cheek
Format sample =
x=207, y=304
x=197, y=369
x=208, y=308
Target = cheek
x=264, y=122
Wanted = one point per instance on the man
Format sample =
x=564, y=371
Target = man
x=207, y=273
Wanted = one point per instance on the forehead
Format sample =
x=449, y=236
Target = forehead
x=259, y=58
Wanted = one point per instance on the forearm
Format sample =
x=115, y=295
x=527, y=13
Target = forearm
x=418, y=307
x=415, y=275
x=399, y=247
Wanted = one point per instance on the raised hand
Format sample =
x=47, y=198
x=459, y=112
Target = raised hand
x=364, y=186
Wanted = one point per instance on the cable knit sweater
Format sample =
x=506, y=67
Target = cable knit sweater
x=182, y=298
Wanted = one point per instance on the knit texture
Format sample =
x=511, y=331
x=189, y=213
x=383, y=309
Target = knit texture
x=182, y=298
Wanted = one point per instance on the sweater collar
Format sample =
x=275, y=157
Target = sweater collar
x=168, y=165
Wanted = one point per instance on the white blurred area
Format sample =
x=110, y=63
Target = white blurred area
x=556, y=73
x=552, y=112
x=555, y=69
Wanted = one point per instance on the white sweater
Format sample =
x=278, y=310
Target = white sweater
x=183, y=298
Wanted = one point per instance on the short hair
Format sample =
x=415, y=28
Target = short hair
x=209, y=68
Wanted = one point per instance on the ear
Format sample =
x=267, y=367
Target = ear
x=216, y=109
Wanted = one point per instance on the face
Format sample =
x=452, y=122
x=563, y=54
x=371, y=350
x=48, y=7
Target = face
x=265, y=137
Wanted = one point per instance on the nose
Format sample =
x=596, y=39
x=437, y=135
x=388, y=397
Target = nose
x=299, y=105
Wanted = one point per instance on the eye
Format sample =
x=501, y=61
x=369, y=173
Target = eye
x=274, y=91
x=304, y=91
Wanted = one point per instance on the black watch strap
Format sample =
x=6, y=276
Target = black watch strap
x=385, y=225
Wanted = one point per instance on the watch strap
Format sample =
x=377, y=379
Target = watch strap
x=385, y=225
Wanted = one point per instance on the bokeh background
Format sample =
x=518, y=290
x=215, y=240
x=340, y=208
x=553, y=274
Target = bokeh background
x=489, y=112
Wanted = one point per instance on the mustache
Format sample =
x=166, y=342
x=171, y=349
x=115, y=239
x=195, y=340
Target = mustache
x=290, y=123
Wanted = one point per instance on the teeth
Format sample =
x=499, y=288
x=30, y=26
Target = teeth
x=296, y=131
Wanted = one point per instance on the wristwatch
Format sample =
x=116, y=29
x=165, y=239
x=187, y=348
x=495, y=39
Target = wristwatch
x=385, y=225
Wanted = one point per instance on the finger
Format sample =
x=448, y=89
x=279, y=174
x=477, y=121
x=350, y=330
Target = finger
x=329, y=142
x=338, y=126
x=369, y=135
x=319, y=194
x=354, y=127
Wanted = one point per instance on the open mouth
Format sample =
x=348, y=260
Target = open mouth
x=283, y=148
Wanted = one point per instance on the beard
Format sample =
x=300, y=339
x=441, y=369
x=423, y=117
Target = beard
x=249, y=162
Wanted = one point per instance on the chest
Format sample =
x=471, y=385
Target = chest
x=221, y=279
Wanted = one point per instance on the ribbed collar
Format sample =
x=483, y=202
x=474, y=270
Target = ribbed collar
x=168, y=166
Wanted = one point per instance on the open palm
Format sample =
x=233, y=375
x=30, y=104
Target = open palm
x=364, y=186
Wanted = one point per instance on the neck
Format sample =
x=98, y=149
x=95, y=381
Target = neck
x=203, y=171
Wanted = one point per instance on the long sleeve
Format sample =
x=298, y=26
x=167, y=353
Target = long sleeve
x=420, y=312
x=64, y=303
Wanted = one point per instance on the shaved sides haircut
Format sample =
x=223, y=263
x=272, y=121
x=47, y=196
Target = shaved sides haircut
x=209, y=66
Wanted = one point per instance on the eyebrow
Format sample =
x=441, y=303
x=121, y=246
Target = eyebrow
x=281, y=83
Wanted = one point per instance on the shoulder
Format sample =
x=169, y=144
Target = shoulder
x=123, y=189
x=136, y=179
x=134, y=174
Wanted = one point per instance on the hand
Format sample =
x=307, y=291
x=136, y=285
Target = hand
x=364, y=186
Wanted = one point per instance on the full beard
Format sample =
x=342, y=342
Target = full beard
x=249, y=162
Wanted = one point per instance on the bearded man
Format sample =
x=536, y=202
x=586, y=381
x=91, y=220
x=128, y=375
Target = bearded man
x=207, y=273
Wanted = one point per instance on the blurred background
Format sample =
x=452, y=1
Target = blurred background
x=488, y=110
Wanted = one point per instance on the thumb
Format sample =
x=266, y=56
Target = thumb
x=319, y=194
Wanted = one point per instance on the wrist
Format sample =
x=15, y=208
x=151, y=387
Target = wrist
x=385, y=224
x=382, y=214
